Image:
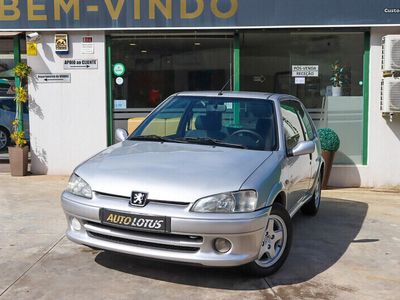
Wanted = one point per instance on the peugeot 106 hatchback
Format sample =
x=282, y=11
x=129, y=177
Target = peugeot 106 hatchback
x=208, y=178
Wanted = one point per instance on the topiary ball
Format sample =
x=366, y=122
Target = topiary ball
x=329, y=139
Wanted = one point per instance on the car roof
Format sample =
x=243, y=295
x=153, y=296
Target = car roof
x=239, y=94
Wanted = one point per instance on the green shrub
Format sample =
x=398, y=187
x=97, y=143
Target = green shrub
x=329, y=139
x=22, y=70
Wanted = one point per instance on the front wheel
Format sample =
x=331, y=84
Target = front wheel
x=4, y=138
x=276, y=244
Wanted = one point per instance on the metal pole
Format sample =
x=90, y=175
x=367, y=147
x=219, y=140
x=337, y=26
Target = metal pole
x=236, y=62
x=236, y=75
x=17, y=60
x=366, y=57
x=109, y=92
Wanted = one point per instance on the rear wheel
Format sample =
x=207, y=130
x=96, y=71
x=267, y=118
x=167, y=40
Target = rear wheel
x=4, y=138
x=312, y=206
x=276, y=244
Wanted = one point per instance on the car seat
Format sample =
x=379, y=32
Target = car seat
x=208, y=126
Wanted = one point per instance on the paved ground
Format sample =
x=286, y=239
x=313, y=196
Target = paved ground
x=351, y=250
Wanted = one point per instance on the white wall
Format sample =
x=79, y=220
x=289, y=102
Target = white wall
x=383, y=167
x=67, y=120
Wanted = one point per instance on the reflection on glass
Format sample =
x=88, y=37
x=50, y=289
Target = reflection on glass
x=7, y=88
x=158, y=67
x=267, y=60
x=225, y=122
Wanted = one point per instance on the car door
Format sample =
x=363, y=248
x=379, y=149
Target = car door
x=297, y=169
x=310, y=135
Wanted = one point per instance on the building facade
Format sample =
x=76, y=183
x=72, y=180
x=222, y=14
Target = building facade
x=96, y=65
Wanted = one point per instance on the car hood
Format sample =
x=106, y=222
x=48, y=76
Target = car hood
x=169, y=171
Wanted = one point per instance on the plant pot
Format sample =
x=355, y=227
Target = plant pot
x=328, y=157
x=336, y=91
x=18, y=160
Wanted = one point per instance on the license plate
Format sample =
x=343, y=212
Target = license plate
x=134, y=221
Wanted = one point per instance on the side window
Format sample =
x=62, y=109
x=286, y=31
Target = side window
x=307, y=125
x=291, y=124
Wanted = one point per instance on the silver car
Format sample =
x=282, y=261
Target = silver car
x=208, y=178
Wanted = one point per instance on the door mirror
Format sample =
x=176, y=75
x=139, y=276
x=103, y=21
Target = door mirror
x=121, y=134
x=302, y=148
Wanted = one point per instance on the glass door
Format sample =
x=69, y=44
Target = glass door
x=301, y=64
x=147, y=69
x=332, y=85
x=10, y=52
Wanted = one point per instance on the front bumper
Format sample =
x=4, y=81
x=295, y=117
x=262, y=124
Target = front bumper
x=191, y=239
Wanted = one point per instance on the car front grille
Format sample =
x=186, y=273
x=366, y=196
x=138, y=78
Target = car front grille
x=160, y=241
x=118, y=197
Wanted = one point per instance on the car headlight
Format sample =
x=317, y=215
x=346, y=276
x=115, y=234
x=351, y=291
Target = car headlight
x=232, y=202
x=79, y=187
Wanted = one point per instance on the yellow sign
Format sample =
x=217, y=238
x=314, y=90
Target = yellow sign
x=31, y=48
x=61, y=42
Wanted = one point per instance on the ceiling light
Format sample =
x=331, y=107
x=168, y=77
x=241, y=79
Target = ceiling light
x=197, y=44
x=132, y=44
x=144, y=51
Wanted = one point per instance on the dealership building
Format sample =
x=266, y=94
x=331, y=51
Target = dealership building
x=98, y=64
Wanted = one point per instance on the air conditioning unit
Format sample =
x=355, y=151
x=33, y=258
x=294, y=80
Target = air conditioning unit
x=390, y=95
x=391, y=53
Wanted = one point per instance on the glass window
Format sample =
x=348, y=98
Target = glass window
x=7, y=84
x=306, y=122
x=7, y=104
x=291, y=124
x=6, y=88
x=308, y=127
x=267, y=62
x=248, y=123
x=165, y=123
x=157, y=67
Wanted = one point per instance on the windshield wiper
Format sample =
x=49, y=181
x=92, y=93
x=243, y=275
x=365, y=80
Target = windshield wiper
x=185, y=140
x=155, y=138
x=212, y=142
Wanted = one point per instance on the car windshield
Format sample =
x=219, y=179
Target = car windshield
x=217, y=121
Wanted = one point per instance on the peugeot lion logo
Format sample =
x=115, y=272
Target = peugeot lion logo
x=138, y=199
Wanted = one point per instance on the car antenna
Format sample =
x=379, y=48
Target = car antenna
x=223, y=88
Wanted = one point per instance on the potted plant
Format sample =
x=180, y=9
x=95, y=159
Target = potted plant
x=19, y=153
x=337, y=79
x=330, y=143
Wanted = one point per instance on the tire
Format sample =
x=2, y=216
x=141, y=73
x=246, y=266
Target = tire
x=268, y=263
x=312, y=206
x=4, y=138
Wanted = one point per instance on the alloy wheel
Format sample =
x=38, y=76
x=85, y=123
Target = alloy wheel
x=274, y=242
x=3, y=139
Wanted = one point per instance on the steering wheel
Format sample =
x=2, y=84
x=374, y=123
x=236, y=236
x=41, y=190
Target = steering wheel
x=258, y=138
